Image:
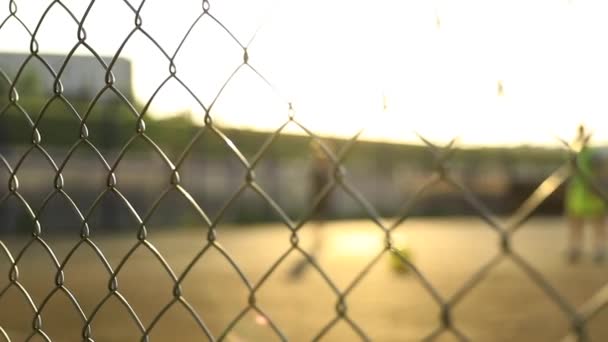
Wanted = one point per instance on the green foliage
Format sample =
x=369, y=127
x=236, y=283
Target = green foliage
x=111, y=123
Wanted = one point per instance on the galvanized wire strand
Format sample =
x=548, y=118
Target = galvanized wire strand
x=197, y=317
x=326, y=329
x=113, y=292
x=542, y=192
x=595, y=304
x=233, y=323
x=4, y=334
x=458, y=334
x=481, y=273
x=549, y=290
x=442, y=330
x=409, y=204
x=434, y=334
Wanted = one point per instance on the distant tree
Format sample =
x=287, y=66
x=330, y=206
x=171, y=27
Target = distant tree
x=30, y=85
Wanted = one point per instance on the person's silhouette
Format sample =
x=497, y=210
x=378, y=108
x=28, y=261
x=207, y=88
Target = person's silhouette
x=320, y=176
x=582, y=202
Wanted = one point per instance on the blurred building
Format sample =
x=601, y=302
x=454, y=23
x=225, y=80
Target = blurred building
x=82, y=78
x=142, y=177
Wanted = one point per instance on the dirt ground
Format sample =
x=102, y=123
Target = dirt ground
x=386, y=305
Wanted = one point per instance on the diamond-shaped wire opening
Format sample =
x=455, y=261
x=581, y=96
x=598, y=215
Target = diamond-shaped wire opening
x=280, y=292
x=84, y=74
x=214, y=288
x=342, y=330
x=385, y=173
x=243, y=23
x=38, y=283
x=33, y=86
x=487, y=174
x=111, y=124
x=390, y=303
x=178, y=317
x=82, y=187
x=282, y=163
x=542, y=242
x=97, y=34
x=14, y=31
x=187, y=230
x=28, y=14
x=189, y=218
x=57, y=20
x=142, y=160
x=112, y=309
x=58, y=113
x=60, y=220
x=89, y=291
x=157, y=14
x=263, y=109
x=248, y=207
x=509, y=289
x=287, y=142
x=156, y=66
x=58, y=311
x=203, y=44
x=448, y=252
x=343, y=247
x=242, y=232
x=172, y=142
x=212, y=169
x=322, y=179
x=18, y=321
x=35, y=173
x=144, y=263
x=111, y=213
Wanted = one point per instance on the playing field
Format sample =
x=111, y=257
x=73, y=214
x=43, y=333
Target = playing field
x=387, y=306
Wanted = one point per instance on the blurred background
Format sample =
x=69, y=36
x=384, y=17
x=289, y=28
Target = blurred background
x=507, y=92
x=102, y=104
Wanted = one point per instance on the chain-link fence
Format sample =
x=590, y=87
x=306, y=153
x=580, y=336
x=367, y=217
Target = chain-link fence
x=112, y=143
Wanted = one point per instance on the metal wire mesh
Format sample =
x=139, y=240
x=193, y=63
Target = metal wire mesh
x=504, y=229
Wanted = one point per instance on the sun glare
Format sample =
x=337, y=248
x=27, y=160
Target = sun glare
x=486, y=71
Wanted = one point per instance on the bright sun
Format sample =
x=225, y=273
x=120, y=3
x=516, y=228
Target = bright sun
x=486, y=71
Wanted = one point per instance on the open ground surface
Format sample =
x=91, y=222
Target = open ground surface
x=387, y=306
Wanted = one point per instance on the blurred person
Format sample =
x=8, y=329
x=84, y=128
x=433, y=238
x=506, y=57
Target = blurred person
x=320, y=177
x=582, y=202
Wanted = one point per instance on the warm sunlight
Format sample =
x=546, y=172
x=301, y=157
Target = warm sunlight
x=488, y=72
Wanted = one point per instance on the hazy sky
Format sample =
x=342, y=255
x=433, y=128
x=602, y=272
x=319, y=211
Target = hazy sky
x=434, y=65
